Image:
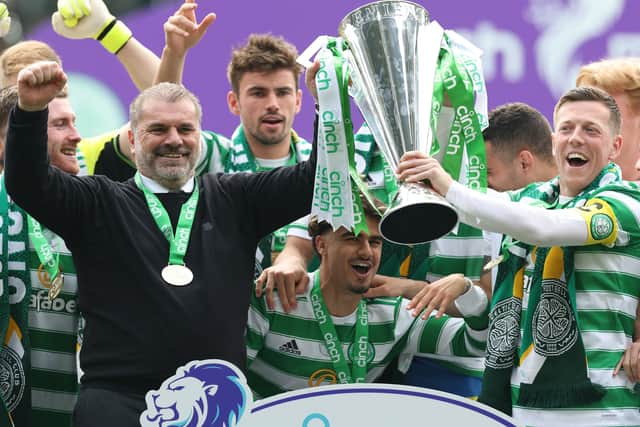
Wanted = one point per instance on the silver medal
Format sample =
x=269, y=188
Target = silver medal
x=177, y=275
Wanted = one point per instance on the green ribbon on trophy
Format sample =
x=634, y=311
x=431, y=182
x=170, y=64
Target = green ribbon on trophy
x=335, y=199
x=468, y=98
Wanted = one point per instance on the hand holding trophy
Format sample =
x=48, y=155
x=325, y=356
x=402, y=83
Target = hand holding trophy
x=400, y=65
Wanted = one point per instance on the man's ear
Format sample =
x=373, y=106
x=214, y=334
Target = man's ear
x=298, y=100
x=232, y=102
x=320, y=244
x=617, y=147
x=131, y=139
x=525, y=160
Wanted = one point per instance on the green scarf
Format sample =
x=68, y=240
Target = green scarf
x=553, y=356
x=15, y=355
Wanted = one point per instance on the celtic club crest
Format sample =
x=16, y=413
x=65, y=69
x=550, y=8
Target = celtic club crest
x=504, y=333
x=601, y=226
x=12, y=379
x=554, y=324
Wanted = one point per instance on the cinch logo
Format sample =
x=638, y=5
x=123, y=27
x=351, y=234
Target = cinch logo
x=316, y=304
x=474, y=172
x=210, y=392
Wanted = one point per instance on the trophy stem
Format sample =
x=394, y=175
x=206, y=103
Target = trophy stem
x=414, y=205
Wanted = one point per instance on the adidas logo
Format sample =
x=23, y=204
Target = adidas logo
x=290, y=347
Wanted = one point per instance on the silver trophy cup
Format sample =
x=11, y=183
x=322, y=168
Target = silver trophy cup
x=393, y=54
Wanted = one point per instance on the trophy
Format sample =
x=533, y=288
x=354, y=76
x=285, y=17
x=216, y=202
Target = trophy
x=393, y=55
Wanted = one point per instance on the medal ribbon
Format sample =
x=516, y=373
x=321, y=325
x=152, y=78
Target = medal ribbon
x=179, y=242
x=334, y=346
x=49, y=258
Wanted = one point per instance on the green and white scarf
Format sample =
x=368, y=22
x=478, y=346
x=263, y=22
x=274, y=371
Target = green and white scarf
x=15, y=390
x=557, y=368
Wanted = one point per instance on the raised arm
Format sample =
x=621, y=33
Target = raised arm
x=494, y=211
x=182, y=31
x=56, y=199
x=91, y=19
x=26, y=152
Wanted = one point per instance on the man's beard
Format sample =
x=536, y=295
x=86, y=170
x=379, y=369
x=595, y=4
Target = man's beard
x=169, y=176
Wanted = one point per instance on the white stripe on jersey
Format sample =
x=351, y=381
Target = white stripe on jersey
x=607, y=261
x=461, y=247
x=632, y=204
x=607, y=301
x=583, y=417
x=606, y=341
x=53, y=322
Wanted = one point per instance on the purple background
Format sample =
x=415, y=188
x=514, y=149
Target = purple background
x=532, y=48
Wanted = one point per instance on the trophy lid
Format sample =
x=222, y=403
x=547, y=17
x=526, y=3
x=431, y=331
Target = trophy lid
x=383, y=9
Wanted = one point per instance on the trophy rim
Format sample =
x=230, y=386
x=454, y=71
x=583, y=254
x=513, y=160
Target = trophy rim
x=343, y=22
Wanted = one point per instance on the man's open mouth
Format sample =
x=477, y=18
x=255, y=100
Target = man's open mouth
x=361, y=267
x=577, y=159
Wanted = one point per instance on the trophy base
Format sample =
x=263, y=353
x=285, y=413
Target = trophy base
x=417, y=215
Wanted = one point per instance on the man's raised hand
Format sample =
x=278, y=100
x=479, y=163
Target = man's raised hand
x=182, y=30
x=38, y=84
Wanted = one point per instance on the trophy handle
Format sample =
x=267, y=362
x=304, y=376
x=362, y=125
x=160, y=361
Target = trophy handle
x=416, y=204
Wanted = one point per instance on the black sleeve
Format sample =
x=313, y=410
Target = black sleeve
x=56, y=199
x=280, y=196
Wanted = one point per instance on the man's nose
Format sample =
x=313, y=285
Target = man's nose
x=74, y=135
x=173, y=136
x=272, y=102
x=364, y=249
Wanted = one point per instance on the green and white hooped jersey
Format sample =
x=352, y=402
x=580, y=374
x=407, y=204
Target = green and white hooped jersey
x=461, y=252
x=287, y=352
x=53, y=328
x=606, y=281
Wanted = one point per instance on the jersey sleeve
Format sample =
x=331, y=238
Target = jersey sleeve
x=258, y=324
x=449, y=336
x=300, y=228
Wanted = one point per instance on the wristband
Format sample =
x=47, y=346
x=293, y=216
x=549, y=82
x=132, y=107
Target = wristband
x=115, y=36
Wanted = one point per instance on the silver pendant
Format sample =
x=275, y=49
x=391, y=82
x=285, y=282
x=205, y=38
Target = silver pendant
x=177, y=275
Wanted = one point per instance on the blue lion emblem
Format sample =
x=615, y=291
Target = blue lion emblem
x=208, y=393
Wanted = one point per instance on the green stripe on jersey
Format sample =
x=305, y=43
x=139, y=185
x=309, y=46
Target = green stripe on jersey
x=293, y=349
